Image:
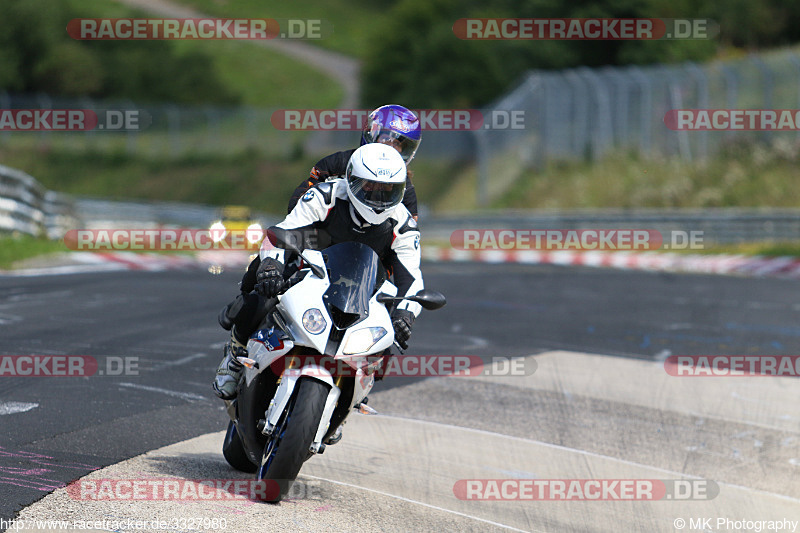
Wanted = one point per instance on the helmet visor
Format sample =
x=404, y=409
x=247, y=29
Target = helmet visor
x=400, y=142
x=376, y=195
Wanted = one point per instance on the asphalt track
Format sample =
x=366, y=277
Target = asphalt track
x=599, y=405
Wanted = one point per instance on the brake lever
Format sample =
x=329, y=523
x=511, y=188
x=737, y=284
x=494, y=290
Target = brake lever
x=289, y=283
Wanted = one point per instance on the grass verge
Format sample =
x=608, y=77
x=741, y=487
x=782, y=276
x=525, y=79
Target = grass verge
x=741, y=175
x=16, y=248
x=350, y=18
x=260, y=76
x=246, y=178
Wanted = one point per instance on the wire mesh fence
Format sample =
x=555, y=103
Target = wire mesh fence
x=574, y=114
x=580, y=113
x=583, y=114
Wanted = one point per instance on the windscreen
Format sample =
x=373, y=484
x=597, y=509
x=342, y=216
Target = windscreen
x=353, y=269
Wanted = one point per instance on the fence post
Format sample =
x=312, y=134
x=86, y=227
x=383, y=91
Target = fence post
x=580, y=126
x=646, y=87
x=543, y=124
x=702, y=102
x=602, y=132
x=731, y=92
x=796, y=62
x=768, y=81
x=676, y=102
x=620, y=105
x=482, y=153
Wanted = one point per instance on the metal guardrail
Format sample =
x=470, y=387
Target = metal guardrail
x=27, y=207
x=104, y=214
x=720, y=226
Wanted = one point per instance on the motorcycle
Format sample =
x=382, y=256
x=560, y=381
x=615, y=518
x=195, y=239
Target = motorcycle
x=312, y=361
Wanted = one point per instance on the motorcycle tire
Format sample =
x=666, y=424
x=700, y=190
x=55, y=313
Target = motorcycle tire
x=234, y=452
x=286, y=451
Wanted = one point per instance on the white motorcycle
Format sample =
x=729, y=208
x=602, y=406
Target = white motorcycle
x=312, y=362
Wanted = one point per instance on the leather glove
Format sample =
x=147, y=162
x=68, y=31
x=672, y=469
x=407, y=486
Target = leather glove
x=269, y=279
x=248, y=283
x=402, y=321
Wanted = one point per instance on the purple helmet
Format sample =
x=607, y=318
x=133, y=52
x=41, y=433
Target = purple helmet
x=395, y=125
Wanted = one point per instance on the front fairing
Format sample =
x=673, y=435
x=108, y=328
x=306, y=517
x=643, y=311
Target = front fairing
x=346, y=297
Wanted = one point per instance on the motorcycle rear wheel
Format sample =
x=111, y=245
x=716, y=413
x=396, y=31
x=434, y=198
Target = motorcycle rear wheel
x=234, y=452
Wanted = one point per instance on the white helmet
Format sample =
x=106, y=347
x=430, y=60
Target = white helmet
x=376, y=181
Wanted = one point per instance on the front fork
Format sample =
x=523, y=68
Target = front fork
x=280, y=401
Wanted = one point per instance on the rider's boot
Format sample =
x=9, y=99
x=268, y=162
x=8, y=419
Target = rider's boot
x=230, y=369
x=336, y=437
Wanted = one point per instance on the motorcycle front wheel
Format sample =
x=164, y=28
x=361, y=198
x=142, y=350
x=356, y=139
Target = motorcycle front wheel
x=287, y=448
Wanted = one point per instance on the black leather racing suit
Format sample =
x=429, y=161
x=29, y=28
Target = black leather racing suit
x=324, y=217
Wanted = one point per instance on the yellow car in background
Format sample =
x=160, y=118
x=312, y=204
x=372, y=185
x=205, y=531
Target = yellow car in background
x=238, y=220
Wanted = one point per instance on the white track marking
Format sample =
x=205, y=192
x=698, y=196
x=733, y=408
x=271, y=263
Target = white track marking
x=476, y=342
x=10, y=408
x=10, y=319
x=702, y=415
x=428, y=505
x=181, y=361
x=185, y=395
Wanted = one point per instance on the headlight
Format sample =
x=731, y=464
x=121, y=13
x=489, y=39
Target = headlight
x=314, y=322
x=217, y=231
x=254, y=233
x=362, y=340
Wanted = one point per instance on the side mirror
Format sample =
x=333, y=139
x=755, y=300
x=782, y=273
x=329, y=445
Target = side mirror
x=427, y=298
x=430, y=299
x=280, y=238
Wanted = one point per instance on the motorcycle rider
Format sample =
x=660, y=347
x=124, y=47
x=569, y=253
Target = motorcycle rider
x=389, y=124
x=365, y=207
